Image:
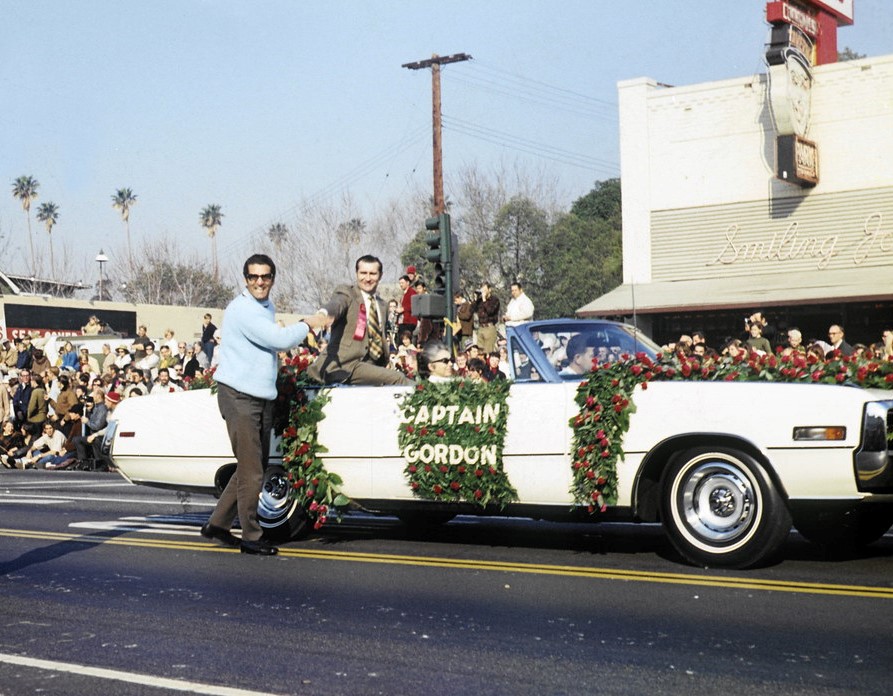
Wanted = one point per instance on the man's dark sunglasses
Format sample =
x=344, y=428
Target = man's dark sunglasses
x=254, y=277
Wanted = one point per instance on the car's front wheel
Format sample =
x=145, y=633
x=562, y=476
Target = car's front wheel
x=281, y=518
x=720, y=508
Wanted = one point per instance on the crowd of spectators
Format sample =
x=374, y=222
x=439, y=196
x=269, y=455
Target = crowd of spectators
x=759, y=336
x=54, y=408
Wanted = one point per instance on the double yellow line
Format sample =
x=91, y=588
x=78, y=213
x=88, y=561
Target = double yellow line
x=698, y=580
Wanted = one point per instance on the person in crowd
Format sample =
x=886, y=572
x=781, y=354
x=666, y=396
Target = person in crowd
x=12, y=445
x=887, y=339
x=180, y=355
x=84, y=356
x=191, y=364
x=168, y=341
x=357, y=352
x=8, y=356
x=70, y=357
x=92, y=327
x=475, y=371
x=48, y=451
x=392, y=323
x=246, y=391
x=463, y=327
x=38, y=407
x=438, y=362
x=461, y=364
x=767, y=331
x=138, y=347
x=407, y=355
x=149, y=364
x=136, y=384
x=757, y=341
x=407, y=322
x=520, y=307
x=504, y=367
x=837, y=339
x=5, y=400
x=40, y=363
x=87, y=445
x=486, y=306
x=215, y=355
x=795, y=341
x=23, y=359
x=21, y=398
x=122, y=356
x=163, y=383
x=108, y=357
x=166, y=357
x=491, y=367
x=580, y=354
x=734, y=348
x=207, y=339
x=204, y=362
x=62, y=402
x=817, y=350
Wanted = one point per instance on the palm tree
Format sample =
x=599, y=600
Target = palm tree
x=277, y=233
x=25, y=189
x=123, y=200
x=211, y=218
x=48, y=214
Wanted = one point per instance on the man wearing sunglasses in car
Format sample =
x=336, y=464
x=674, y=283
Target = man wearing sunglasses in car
x=246, y=390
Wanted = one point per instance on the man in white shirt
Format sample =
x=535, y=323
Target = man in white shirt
x=520, y=308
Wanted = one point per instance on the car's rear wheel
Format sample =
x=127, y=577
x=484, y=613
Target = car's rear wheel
x=720, y=508
x=281, y=518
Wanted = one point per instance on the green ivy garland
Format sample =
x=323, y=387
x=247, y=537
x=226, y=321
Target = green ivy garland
x=452, y=439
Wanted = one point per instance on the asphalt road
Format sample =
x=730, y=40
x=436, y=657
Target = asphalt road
x=107, y=588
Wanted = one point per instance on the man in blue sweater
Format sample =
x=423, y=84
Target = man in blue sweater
x=246, y=389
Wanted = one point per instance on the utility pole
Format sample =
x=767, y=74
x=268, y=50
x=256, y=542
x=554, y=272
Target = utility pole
x=434, y=63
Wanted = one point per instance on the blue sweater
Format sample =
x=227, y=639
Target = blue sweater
x=250, y=339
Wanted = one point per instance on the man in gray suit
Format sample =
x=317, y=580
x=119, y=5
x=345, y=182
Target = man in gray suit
x=357, y=352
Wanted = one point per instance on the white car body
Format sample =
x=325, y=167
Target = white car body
x=180, y=441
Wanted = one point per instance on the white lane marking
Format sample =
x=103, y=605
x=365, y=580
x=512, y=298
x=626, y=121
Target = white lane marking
x=65, y=484
x=170, y=501
x=31, y=501
x=144, y=528
x=130, y=677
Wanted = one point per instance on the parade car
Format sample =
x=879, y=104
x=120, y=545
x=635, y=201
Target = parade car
x=725, y=467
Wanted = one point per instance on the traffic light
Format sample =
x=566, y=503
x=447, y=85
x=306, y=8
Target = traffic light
x=444, y=254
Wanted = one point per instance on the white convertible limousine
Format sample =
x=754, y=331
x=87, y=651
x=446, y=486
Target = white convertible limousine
x=726, y=467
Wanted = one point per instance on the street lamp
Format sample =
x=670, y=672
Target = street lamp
x=101, y=259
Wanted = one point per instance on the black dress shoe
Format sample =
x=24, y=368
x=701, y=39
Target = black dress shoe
x=224, y=536
x=257, y=548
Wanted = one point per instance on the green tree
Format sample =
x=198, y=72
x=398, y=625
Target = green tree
x=582, y=256
x=580, y=260
x=123, y=200
x=519, y=227
x=211, y=218
x=25, y=190
x=48, y=214
x=601, y=203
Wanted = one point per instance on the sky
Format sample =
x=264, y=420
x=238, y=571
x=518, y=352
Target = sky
x=262, y=105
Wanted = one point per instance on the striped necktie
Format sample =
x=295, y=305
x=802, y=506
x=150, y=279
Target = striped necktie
x=376, y=340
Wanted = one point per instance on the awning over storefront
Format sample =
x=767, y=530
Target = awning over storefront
x=750, y=292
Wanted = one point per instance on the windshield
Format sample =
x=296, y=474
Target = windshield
x=571, y=352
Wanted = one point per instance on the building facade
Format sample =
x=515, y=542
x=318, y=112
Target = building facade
x=714, y=226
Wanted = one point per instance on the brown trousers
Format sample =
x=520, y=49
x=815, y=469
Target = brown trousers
x=249, y=421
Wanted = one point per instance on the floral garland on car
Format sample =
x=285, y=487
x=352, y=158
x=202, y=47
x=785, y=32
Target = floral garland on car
x=452, y=439
x=296, y=416
x=605, y=400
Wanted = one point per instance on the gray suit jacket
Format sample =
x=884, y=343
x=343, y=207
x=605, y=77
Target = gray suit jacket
x=337, y=362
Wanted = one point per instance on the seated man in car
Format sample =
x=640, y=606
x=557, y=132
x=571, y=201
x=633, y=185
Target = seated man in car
x=580, y=354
